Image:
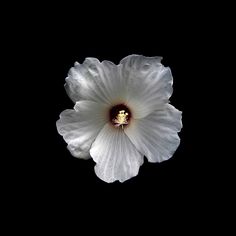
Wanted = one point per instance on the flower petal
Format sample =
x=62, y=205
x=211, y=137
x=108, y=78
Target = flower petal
x=156, y=135
x=94, y=81
x=149, y=83
x=79, y=127
x=115, y=155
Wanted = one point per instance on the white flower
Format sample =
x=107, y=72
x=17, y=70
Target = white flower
x=121, y=114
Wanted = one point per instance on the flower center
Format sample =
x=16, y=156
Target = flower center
x=120, y=115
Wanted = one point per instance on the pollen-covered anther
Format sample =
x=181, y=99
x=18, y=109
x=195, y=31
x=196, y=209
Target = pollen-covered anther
x=120, y=115
x=121, y=119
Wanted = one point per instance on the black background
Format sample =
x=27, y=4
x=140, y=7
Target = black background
x=46, y=177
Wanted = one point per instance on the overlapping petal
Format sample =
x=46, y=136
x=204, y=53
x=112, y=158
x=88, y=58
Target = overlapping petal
x=149, y=83
x=95, y=81
x=115, y=155
x=79, y=127
x=156, y=135
x=142, y=83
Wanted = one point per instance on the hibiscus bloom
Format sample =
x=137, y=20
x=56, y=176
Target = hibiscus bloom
x=121, y=114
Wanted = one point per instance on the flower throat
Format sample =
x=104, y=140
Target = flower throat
x=119, y=115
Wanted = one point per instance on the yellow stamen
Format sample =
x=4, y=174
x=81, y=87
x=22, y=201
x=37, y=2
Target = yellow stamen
x=121, y=119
